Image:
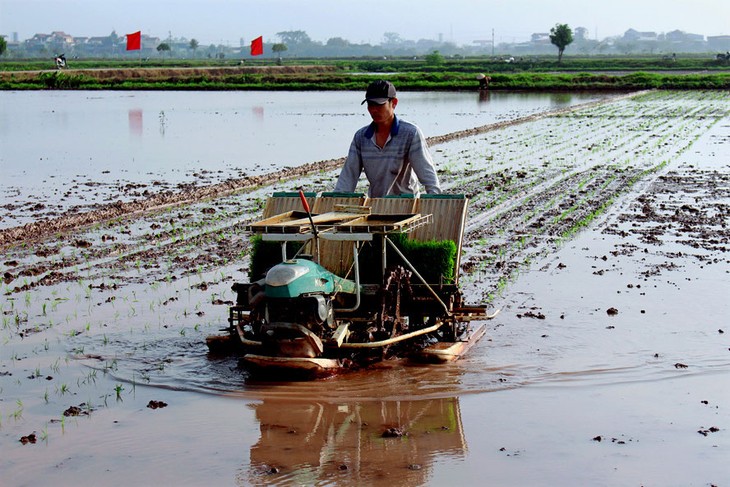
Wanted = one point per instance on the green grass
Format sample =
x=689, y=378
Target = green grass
x=539, y=73
x=472, y=64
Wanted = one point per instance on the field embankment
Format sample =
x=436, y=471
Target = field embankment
x=332, y=77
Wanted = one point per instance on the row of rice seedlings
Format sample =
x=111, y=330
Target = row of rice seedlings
x=591, y=216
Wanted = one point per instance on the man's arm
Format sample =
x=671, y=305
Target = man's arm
x=422, y=163
x=351, y=170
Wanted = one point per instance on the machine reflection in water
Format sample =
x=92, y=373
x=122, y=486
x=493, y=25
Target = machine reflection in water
x=353, y=443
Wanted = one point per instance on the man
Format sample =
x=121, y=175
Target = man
x=392, y=152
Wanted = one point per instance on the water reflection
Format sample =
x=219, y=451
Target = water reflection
x=223, y=133
x=136, y=124
x=307, y=443
x=483, y=96
x=561, y=98
x=163, y=122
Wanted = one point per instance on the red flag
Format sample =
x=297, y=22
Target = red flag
x=257, y=46
x=134, y=41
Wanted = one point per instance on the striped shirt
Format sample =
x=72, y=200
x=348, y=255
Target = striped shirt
x=396, y=168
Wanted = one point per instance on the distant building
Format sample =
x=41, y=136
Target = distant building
x=61, y=39
x=636, y=36
x=679, y=36
x=40, y=39
x=718, y=43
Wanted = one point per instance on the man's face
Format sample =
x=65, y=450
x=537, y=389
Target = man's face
x=382, y=113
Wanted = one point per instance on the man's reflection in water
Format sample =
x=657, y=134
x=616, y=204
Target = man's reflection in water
x=311, y=442
x=483, y=96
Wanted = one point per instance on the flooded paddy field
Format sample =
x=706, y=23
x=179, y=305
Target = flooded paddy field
x=601, y=232
x=66, y=152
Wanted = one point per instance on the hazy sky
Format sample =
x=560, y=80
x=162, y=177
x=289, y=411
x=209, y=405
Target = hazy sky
x=460, y=21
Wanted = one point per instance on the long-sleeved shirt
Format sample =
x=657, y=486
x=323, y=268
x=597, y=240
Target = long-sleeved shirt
x=396, y=168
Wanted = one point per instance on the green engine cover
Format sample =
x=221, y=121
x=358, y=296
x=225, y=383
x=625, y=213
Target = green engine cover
x=296, y=277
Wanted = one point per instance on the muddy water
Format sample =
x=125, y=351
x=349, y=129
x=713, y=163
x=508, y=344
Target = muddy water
x=559, y=392
x=71, y=150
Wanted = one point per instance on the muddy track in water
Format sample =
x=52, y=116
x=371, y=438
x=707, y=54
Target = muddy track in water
x=533, y=183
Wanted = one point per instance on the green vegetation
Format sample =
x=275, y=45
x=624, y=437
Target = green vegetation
x=405, y=82
x=434, y=72
x=454, y=64
x=163, y=47
x=265, y=255
x=561, y=36
x=279, y=48
x=434, y=259
x=434, y=59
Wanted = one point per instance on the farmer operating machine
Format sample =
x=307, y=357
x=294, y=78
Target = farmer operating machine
x=351, y=282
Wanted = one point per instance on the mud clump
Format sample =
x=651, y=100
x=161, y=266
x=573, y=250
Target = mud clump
x=31, y=438
x=394, y=433
x=705, y=432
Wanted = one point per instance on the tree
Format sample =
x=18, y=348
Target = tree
x=337, y=42
x=391, y=39
x=3, y=45
x=279, y=48
x=294, y=37
x=435, y=58
x=560, y=36
x=194, y=45
x=163, y=47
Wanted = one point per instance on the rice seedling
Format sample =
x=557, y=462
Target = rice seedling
x=18, y=412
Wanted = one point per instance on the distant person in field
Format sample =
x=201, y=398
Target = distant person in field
x=60, y=61
x=392, y=152
x=483, y=81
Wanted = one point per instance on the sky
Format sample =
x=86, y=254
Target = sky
x=359, y=21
